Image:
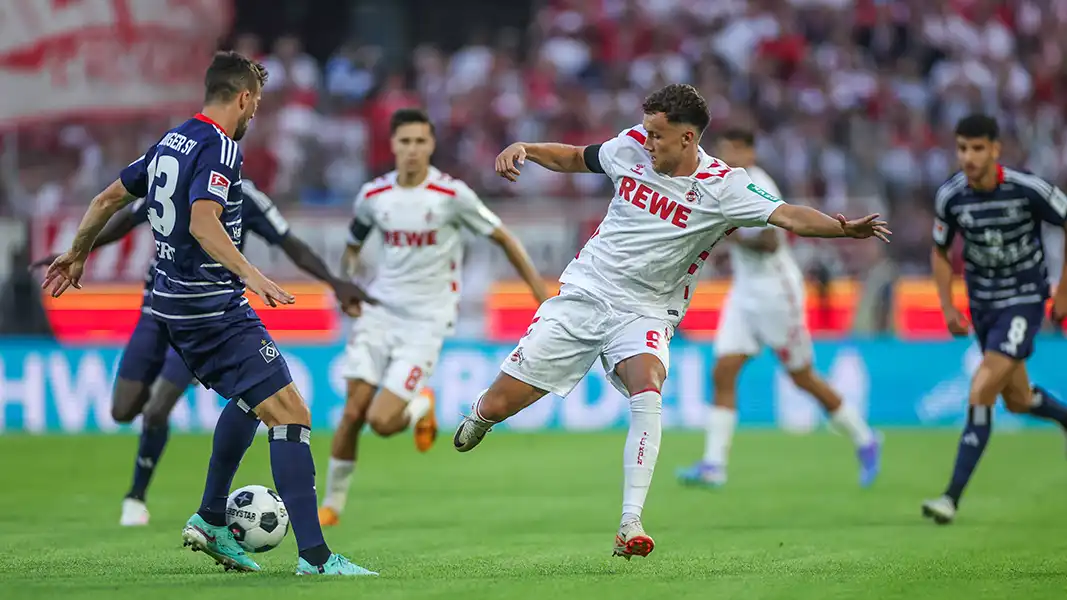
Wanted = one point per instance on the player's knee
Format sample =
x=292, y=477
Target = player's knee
x=382, y=424
x=127, y=400
x=724, y=375
x=284, y=408
x=804, y=378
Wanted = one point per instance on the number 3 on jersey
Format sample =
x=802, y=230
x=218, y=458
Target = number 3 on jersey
x=166, y=167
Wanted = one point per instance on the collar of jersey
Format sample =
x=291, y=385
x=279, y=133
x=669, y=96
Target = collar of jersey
x=209, y=121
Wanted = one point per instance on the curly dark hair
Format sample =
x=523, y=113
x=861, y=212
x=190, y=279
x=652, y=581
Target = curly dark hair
x=230, y=74
x=681, y=103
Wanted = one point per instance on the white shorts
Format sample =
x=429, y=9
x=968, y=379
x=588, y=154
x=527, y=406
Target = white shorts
x=386, y=351
x=748, y=324
x=571, y=330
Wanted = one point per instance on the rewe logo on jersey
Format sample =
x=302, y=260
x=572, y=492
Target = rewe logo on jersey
x=410, y=238
x=642, y=196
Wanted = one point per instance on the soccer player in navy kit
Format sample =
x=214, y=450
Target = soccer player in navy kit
x=998, y=212
x=151, y=383
x=194, y=206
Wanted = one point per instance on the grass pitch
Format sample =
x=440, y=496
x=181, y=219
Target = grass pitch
x=533, y=516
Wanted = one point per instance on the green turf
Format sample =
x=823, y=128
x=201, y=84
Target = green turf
x=533, y=516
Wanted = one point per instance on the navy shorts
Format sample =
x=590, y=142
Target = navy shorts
x=148, y=355
x=233, y=355
x=1009, y=331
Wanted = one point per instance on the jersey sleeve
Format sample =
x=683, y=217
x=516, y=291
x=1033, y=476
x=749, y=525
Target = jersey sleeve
x=216, y=171
x=473, y=214
x=616, y=155
x=1051, y=204
x=945, y=225
x=743, y=203
x=259, y=214
x=362, y=219
x=135, y=176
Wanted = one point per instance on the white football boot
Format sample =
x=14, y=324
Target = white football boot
x=942, y=510
x=134, y=513
x=470, y=433
x=631, y=540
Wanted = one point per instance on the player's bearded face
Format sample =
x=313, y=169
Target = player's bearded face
x=251, y=103
x=977, y=156
x=666, y=142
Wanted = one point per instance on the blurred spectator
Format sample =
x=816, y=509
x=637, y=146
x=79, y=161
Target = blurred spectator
x=854, y=102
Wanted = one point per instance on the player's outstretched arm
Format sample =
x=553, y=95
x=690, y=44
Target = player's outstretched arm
x=66, y=270
x=304, y=257
x=562, y=158
x=519, y=259
x=116, y=228
x=808, y=222
x=205, y=226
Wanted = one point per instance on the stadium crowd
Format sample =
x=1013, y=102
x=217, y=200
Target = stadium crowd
x=854, y=101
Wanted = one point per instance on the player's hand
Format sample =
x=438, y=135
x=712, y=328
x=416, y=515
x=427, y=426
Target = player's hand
x=869, y=226
x=958, y=325
x=64, y=272
x=271, y=293
x=43, y=262
x=509, y=161
x=1059, y=309
x=350, y=296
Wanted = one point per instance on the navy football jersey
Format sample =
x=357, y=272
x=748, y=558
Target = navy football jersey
x=194, y=161
x=258, y=215
x=1004, y=260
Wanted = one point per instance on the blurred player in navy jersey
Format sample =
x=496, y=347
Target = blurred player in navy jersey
x=190, y=180
x=151, y=384
x=998, y=212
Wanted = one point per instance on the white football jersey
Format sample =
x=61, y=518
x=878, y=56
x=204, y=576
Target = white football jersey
x=416, y=274
x=761, y=272
x=647, y=252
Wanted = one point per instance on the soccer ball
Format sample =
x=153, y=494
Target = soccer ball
x=257, y=518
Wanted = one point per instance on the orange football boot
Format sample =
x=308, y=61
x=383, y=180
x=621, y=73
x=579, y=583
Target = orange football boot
x=426, y=427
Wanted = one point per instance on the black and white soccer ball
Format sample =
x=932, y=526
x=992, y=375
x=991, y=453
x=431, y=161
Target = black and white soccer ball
x=257, y=517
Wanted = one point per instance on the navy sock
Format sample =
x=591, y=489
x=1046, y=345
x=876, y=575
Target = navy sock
x=1047, y=406
x=234, y=433
x=149, y=450
x=972, y=444
x=294, y=476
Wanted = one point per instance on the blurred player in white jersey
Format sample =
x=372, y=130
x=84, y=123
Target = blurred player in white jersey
x=418, y=214
x=765, y=307
x=629, y=287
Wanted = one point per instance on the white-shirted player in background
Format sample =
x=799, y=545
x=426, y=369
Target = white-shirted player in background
x=420, y=213
x=765, y=307
x=629, y=287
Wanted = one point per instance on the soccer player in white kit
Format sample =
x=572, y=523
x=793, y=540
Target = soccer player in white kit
x=765, y=307
x=629, y=287
x=419, y=214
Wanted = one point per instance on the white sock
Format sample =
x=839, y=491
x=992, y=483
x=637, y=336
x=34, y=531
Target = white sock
x=721, y=424
x=417, y=408
x=338, y=480
x=641, y=450
x=848, y=420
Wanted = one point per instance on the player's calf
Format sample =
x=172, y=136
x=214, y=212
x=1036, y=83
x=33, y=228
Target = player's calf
x=504, y=398
x=155, y=430
x=344, y=449
x=846, y=419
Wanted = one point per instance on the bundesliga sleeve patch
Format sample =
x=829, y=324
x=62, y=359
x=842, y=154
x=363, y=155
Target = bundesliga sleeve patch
x=755, y=189
x=219, y=185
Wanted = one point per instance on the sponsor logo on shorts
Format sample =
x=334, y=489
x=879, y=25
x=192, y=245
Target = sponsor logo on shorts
x=269, y=352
